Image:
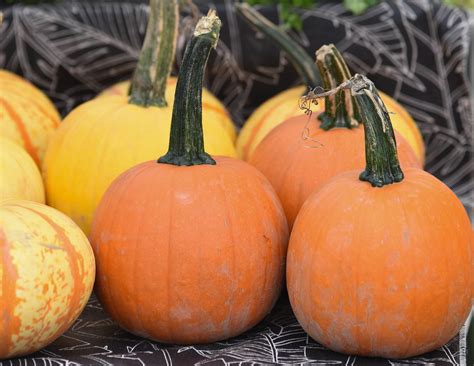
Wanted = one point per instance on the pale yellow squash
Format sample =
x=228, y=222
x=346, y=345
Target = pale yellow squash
x=27, y=116
x=20, y=177
x=210, y=104
x=47, y=272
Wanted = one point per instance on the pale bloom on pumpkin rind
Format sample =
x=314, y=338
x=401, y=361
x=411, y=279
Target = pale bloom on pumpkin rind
x=383, y=272
x=47, y=273
x=189, y=254
x=27, y=116
x=20, y=177
x=100, y=140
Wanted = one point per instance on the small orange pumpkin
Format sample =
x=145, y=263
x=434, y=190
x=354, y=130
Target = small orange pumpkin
x=381, y=269
x=302, y=154
x=190, y=249
x=284, y=105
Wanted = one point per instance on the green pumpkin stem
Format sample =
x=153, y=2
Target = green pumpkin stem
x=303, y=64
x=148, y=85
x=186, y=145
x=382, y=164
x=340, y=108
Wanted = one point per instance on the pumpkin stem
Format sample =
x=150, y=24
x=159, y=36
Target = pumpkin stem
x=302, y=62
x=382, y=165
x=340, y=108
x=148, y=85
x=186, y=145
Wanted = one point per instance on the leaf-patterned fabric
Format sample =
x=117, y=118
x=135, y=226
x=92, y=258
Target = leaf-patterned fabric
x=278, y=340
x=414, y=50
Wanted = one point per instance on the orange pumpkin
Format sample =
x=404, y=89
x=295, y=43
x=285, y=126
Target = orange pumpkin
x=381, y=269
x=285, y=105
x=27, y=116
x=302, y=154
x=46, y=276
x=190, y=249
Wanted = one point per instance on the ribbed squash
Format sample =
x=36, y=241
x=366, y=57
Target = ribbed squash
x=47, y=272
x=380, y=263
x=190, y=248
x=27, y=116
x=213, y=109
x=104, y=137
x=20, y=178
x=286, y=104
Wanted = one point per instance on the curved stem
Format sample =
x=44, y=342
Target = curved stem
x=148, y=85
x=186, y=145
x=340, y=108
x=303, y=63
x=382, y=164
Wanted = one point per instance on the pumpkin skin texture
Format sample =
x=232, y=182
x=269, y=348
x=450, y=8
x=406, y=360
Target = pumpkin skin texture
x=296, y=167
x=20, y=178
x=390, y=282
x=214, y=109
x=285, y=105
x=208, y=242
x=46, y=274
x=27, y=116
x=100, y=140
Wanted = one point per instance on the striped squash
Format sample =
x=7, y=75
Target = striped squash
x=27, y=116
x=47, y=271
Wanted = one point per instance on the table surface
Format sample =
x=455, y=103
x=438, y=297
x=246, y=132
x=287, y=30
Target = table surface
x=95, y=339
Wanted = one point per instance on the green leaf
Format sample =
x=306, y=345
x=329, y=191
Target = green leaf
x=357, y=7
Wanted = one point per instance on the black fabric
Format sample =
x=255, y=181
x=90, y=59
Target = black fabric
x=415, y=50
x=96, y=340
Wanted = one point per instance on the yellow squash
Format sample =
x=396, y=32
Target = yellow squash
x=20, y=178
x=27, y=116
x=286, y=104
x=47, y=272
x=106, y=136
x=212, y=106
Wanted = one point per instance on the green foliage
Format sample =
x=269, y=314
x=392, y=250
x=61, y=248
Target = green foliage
x=289, y=17
x=292, y=20
x=359, y=6
x=463, y=3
